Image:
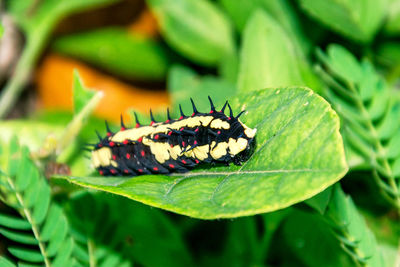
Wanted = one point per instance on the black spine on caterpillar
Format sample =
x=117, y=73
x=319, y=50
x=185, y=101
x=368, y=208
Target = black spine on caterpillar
x=176, y=145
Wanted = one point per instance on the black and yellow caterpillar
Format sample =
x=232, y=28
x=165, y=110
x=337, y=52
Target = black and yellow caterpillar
x=176, y=145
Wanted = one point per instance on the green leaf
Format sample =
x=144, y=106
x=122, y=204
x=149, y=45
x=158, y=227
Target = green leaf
x=370, y=112
x=33, y=204
x=396, y=168
x=310, y=241
x=350, y=228
x=320, y=202
x=19, y=237
x=32, y=193
x=111, y=260
x=344, y=64
x=14, y=157
x=389, y=53
x=118, y=51
x=82, y=95
x=42, y=203
x=356, y=19
x=390, y=123
x=229, y=67
x=268, y=57
x=85, y=101
x=299, y=153
x=4, y=261
x=23, y=264
x=240, y=11
x=392, y=26
x=26, y=254
x=64, y=254
x=196, y=29
x=15, y=223
x=25, y=168
x=282, y=11
x=52, y=223
x=58, y=238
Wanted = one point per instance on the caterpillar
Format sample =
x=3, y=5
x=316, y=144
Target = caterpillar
x=176, y=145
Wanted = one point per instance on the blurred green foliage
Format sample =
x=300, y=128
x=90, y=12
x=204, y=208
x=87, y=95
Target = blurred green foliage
x=120, y=52
x=258, y=54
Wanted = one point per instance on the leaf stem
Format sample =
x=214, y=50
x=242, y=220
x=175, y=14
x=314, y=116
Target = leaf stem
x=36, y=41
x=91, y=250
x=28, y=216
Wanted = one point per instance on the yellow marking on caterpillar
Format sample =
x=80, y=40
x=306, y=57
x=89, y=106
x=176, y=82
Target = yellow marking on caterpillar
x=101, y=157
x=250, y=133
x=161, y=151
x=136, y=133
x=114, y=163
x=175, y=151
x=95, y=160
x=237, y=146
x=190, y=153
x=132, y=134
x=219, y=151
x=201, y=152
x=219, y=124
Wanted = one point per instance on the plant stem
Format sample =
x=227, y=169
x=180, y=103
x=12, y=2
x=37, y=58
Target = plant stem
x=91, y=249
x=36, y=41
x=28, y=216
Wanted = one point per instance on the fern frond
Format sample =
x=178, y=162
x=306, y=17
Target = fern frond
x=42, y=227
x=88, y=223
x=370, y=115
x=351, y=230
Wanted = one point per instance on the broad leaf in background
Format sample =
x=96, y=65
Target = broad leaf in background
x=268, y=56
x=241, y=10
x=370, y=112
x=181, y=78
x=392, y=25
x=351, y=230
x=356, y=19
x=37, y=19
x=118, y=51
x=42, y=224
x=196, y=29
x=299, y=153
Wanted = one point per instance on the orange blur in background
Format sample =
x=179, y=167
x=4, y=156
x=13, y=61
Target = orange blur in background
x=54, y=80
x=54, y=85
